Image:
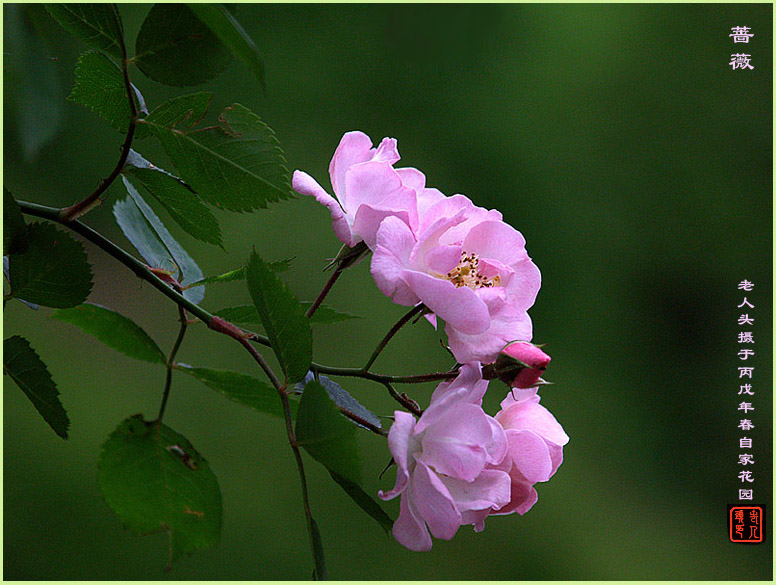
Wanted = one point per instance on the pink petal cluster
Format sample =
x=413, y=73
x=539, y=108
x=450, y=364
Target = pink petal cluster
x=446, y=460
x=456, y=465
x=467, y=266
x=367, y=188
x=535, y=449
x=462, y=261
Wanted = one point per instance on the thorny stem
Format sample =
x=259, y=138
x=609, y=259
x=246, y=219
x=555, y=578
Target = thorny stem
x=382, y=378
x=322, y=295
x=416, y=310
x=68, y=214
x=171, y=360
x=142, y=271
x=402, y=399
x=290, y=432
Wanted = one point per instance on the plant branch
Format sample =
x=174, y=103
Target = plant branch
x=322, y=295
x=416, y=310
x=68, y=214
x=290, y=432
x=171, y=359
x=403, y=399
x=382, y=378
x=142, y=271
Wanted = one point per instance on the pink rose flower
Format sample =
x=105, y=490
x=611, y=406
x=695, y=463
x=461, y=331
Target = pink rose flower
x=445, y=463
x=466, y=265
x=535, y=449
x=367, y=188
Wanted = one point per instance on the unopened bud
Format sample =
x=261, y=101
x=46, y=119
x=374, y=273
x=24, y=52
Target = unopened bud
x=520, y=364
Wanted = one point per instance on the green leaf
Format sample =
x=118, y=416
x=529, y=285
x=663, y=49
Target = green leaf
x=180, y=200
x=114, y=330
x=245, y=390
x=232, y=275
x=319, y=558
x=34, y=80
x=175, y=47
x=223, y=23
x=237, y=165
x=99, y=86
x=240, y=314
x=366, y=502
x=31, y=375
x=186, y=110
x=249, y=314
x=14, y=227
x=343, y=399
x=326, y=434
x=149, y=236
x=97, y=25
x=154, y=480
x=53, y=271
x=239, y=274
x=282, y=317
x=327, y=314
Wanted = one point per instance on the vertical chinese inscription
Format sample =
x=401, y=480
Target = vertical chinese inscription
x=741, y=34
x=746, y=392
x=746, y=521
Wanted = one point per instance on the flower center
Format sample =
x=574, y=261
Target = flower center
x=468, y=274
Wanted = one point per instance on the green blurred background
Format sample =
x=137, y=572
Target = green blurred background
x=616, y=138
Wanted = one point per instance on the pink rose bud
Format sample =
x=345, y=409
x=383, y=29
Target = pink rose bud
x=521, y=364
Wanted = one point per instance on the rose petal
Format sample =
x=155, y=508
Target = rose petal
x=306, y=185
x=376, y=184
x=434, y=503
x=524, y=496
x=399, y=440
x=460, y=307
x=505, y=326
x=394, y=245
x=456, y=444
x=491, y=489
x=410, y=530
x=530, y=455
x=534, y=417
x=496, y=240
x=354, y=147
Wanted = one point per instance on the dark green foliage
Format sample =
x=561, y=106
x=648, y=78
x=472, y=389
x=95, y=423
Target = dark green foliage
x=53, y=270
x=223, y=23
x=178, y=199
x=114, y=330
x=183, y=112
x=282, y=317
x=156, y=245
x=364, y=501
x=343, y=399
x=326, y=434
x=245, y=390
x=239, y=274
x=175, y=47
x=154, y=480
x=29, y=372
x=320, y=559
x=236, y=165
x=97, y=25
x=248, y=314
x=99, y=86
